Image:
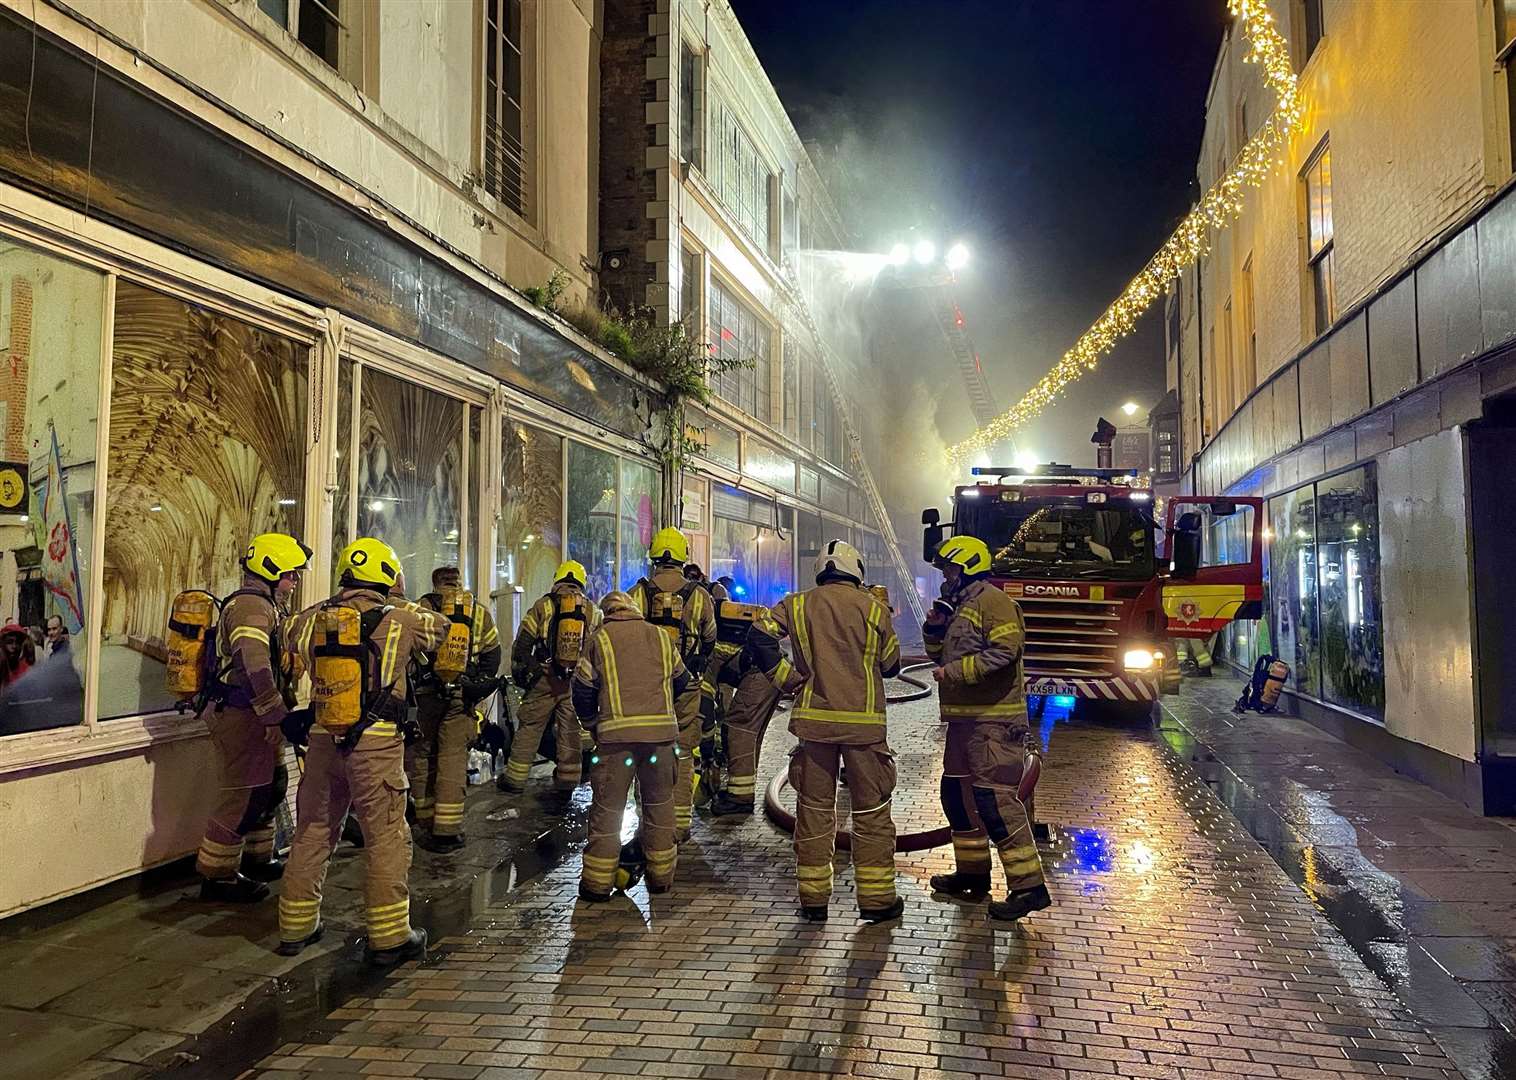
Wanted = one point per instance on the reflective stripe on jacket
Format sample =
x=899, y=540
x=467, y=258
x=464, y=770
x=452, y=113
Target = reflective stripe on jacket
x=699, y=623
x=247, y=639
x=626, y=681
x=844, y=648
x=980, y=654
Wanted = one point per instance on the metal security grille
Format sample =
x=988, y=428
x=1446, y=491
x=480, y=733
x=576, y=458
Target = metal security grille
x=503, y=152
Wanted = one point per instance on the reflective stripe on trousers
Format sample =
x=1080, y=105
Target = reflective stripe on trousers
x=541, y=705
x=252, y=783
x=654, y=768
x=437, y=763
x=871, y=785
x=371, y=780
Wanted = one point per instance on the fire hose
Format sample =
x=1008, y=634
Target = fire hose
x=922, y=840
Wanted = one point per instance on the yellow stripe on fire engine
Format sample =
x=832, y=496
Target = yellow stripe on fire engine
x=1187, y=605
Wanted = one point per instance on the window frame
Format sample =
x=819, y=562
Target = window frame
x=1309, y=25
x=1320, y=262
x=739, y=387
x=519, y=203
x=357, y=52
x=692, y=127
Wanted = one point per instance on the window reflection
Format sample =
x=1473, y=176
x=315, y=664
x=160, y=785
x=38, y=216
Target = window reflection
x=641, y=495
x=592, y=516
x=410, y=444
x=1347, y=555
x=50, y=331
x=530, y=543
x=1292, y=565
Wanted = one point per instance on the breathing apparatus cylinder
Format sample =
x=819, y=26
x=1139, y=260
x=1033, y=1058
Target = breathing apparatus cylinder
x=1273, y=684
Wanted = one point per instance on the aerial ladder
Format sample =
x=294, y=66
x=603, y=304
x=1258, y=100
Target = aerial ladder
x=950, y=319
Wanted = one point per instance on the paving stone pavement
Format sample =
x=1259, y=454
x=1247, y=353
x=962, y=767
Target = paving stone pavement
x=1176, y=949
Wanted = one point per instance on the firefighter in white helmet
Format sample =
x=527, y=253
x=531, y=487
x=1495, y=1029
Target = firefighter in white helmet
x=975, y=634
x=844, y=648
x=687, y=614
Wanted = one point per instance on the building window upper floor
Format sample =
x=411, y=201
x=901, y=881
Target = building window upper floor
x=1317, y=190
x=691, y=93
x=1309, y=29
x=340, y=33
x=737, y=332
x=502, y=150
x=744, y=181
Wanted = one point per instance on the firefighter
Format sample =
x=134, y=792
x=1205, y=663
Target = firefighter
x=543, y=658
x=687, y=614
x=357, y=646
x=243, y=711
x=1193, y=655
x=624, y=689
x=975, y=635
x=437, y=764
x=844, y=647
x=747, y=717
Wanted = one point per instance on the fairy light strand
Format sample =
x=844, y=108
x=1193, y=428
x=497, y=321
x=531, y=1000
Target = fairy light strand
x=1218, y=207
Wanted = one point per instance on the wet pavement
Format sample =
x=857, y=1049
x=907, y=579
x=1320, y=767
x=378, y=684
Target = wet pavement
x=1176, y=948
x=143, y=979
x=1423, y=889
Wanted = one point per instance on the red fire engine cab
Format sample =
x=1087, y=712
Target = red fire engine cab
x=1103, y=587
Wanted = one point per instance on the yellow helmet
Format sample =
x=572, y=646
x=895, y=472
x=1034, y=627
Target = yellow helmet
x=669, y=545
x=370, y=561
x=570, y=570
x=969, y=552
x=272, y=555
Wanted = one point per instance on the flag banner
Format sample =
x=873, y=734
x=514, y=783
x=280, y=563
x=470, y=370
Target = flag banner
x=60, y=558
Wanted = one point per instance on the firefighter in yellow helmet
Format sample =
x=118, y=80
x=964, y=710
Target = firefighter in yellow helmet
x=449, y=684
x=543, y=657
x=975, y=635
x=245, y=703
x=625, y=687
x=687, y=614
x=844, y=647
x=357, y=646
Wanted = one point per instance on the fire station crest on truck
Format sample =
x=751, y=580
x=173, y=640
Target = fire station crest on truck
x=1189, y=611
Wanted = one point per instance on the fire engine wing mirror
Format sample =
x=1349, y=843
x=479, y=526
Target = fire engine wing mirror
x=931, y=540
x=931, y=516
x=1222, y=508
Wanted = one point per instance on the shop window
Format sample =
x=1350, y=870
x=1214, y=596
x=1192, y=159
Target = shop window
x=1347, y=561
x=207, y=449
x=51, y=314
x=776, y=565
x=808, y=541
x=591, y=524
x=734, y=553
x=410, y=475
x=641, y=510
x=529, y=543
x=1292, y=574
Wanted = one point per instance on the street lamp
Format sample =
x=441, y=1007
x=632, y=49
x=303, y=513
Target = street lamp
x=1130, y=408
x=957, y=257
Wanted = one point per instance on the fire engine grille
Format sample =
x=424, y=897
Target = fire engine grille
x=1071, y=637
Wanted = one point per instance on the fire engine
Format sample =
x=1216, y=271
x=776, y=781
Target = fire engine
x=1103, y=587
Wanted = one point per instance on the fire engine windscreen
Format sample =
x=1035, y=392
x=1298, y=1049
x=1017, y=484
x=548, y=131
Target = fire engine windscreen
x=1061, y=538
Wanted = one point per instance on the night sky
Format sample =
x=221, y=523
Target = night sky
x=1058, y=138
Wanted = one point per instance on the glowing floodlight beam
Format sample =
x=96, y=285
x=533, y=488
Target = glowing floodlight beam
x=957, y=257
x=1130, y=408
x=1026, y=460
x=924, y=251
x=899, y=255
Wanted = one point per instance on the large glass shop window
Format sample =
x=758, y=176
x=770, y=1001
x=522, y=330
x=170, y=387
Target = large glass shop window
x=1292, y=574
x=410, y=473
x=51, y=342
x=1347, y=558
x=592, y=515
x=207, y=449
x=641, y=496
x=530, y=543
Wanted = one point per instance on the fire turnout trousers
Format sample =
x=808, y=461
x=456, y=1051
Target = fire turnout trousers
x=1196, y=649
x=871, y=785
x=253, y=783
x=687, y=709
x=971, y=847
x=654, y=767
x=370, y=778
x=746, y=720
x=437, y=762
x=994, y=755
x=544, y=703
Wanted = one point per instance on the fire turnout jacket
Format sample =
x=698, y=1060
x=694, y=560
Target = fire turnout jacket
x=845, y=647
x=699, y=630
x=979, y=648
x=532, y=650
x=627, y=679
x=248, y=639
x=406, y=627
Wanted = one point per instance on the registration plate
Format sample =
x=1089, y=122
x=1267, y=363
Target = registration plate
x=1054, y=689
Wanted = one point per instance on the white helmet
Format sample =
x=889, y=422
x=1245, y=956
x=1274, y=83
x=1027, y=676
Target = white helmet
x=839, y=557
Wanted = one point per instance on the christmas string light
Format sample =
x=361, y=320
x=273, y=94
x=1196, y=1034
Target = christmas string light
x=1218, y=207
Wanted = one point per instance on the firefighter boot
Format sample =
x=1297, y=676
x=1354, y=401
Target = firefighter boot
x=233, y=890
x=270, y=869
x=590, y=896
x=726, y=803
x=884, y=914
x=814, y=912
x=974, y=887
x=437, y=845
x=293, y=948
x=1019, y=903
x=412, y=948
x=631, y=864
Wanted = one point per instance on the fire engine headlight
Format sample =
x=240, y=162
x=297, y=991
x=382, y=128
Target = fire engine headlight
x=1138, y=660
